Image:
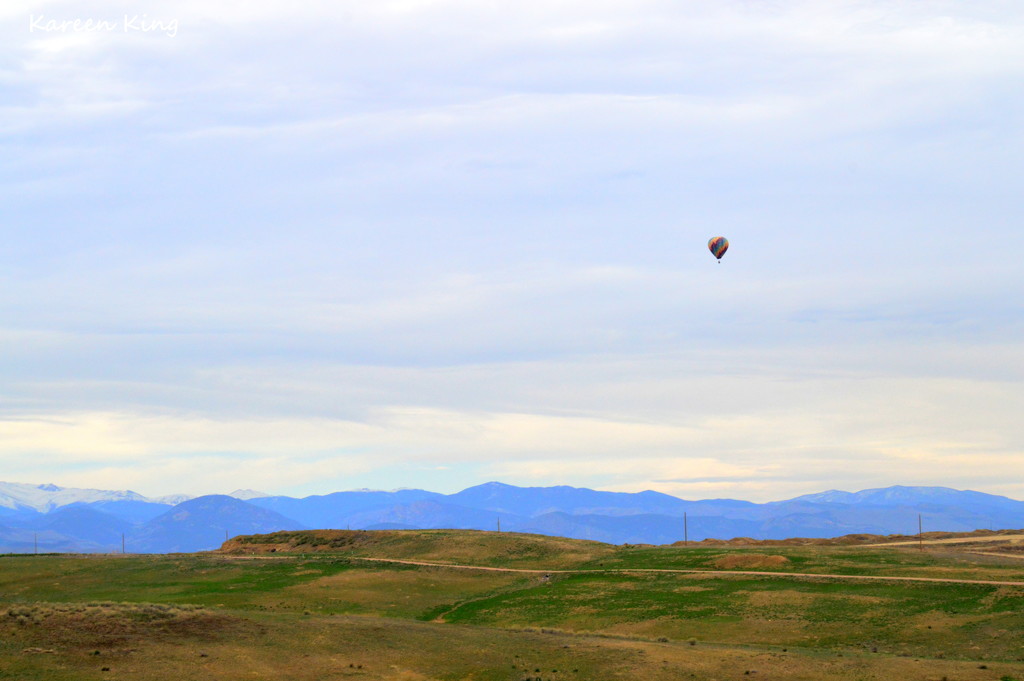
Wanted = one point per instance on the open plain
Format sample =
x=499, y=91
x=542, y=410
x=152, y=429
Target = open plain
x=452, y=605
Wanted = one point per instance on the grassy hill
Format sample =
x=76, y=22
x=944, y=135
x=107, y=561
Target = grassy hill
x=859, y=555
x=308, y=605
x=504, y=549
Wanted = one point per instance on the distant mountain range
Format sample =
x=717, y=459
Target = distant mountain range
x=48, y=518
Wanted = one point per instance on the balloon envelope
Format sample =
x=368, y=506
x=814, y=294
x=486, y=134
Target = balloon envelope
x=718, y=246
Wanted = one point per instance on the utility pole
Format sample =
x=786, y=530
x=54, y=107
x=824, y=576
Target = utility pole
x=499, y=524
x=686, y=531
x=225, y=535
x=920, y=538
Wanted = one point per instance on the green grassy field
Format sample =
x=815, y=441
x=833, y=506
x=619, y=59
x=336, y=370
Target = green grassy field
x=314, y=608
x=904, y=562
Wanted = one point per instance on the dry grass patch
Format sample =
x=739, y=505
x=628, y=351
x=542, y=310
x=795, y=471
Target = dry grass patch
x=1004, y=592
x=767, y=599
x=749, y=561
x=106, y=624
x=406, y=592
x=940, y=622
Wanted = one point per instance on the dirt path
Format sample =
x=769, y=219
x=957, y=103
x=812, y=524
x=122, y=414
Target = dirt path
x=991, y=539
x=801, y=575
x=996, y=553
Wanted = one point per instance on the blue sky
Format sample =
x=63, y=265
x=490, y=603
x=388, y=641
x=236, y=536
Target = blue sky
x=409, y=243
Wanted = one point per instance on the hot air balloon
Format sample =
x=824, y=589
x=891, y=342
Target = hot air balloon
x=718, y=246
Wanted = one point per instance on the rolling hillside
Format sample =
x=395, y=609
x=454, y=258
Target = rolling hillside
x=432, y=605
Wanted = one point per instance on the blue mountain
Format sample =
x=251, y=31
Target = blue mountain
x=100, y=530
x=643, y=528
x=429, y=514
x=614, y=517
x=203, y=523
x=128, y=510
x=531, y=501
x=899, y=495
x=338, y=509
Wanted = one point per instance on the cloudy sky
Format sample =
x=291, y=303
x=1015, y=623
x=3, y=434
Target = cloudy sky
x=308, y=247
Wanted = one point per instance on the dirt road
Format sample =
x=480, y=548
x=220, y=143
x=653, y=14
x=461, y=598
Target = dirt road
x=991, y=539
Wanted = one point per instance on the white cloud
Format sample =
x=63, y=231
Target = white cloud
x=613, y=423
x=437, y=233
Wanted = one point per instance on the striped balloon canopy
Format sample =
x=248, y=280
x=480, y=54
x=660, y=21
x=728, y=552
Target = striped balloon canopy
x=718, y=246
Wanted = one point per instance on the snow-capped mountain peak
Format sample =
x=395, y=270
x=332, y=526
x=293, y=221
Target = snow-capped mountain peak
x=246, y=494
x=45, y=498
x=172, y=499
